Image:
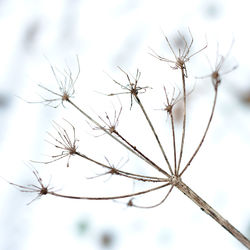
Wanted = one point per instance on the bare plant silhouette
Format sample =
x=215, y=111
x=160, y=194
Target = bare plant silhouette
x=171, y=173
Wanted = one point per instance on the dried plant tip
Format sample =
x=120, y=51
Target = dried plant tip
x=132, y=87
x=66, y=86
x=170, y=102
x=40, y=189
x=216, y=70
x=63, y=142
x=183, y=55
x=110, y=125
x=112, y=169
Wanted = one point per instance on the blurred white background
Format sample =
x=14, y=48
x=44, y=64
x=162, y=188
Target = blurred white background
x=104, y=35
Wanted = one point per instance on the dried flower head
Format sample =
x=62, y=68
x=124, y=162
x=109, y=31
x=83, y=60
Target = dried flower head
x=110, y=125
x=170, y=101
x=183, y=54
x=132, y=87
x=216, y=72
x=66, y=144
x=112, y=169
x=66, y=85
x=40, y=189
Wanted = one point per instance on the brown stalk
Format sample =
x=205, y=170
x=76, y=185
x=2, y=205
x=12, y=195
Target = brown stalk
x=124, y=173
x=108, y=197
x=155, y=134
x=169, y=108
x=204, y=135
x=184, y=118
x=133, y=89
x=143, y=155
x=155, y=205
x=131, y=149
x=211, y=212
x=112, y=128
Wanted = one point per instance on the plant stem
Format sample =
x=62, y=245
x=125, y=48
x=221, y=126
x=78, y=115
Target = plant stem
x=204, y=135
x=155, y=134
x=108, y=197
x=184, y=116
x=123, y=173
x=108, y=133
x=174, y=143
x=211, y=212
x=140, y=153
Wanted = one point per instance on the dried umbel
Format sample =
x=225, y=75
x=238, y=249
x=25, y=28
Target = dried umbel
x=217, y=72
x=132, y=87
x=167, y=175
x=66, y=86
x=183, y=55
x=40, y=189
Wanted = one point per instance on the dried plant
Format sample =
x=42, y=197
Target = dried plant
x=167, y=177
x=131, y=88
x=40, y=189
x=66, y=86
x=183, y=54
x=64, y=143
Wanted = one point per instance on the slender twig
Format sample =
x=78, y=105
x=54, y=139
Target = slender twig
x=112, y=128
x=108, y=197
x=169, y=108
x=155, y=205
x=155, y=134
x=143, y=155
x=103, y=129
x=204, y=135
x=116, y=139
x=134, y=89
x=174, y=142
x=124, y=173
x=184, y=118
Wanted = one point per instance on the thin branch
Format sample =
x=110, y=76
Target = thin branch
x=140, y=153
x=153, y=206
x=169, y=108
x=204, y=135
x=108, y=197
x=116, y=139
x=155, y=134
x=124, y=173
x=184, y=118
x=134, y=89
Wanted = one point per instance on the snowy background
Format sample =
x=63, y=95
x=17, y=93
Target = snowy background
x=104, y=35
